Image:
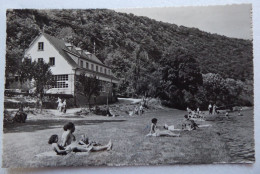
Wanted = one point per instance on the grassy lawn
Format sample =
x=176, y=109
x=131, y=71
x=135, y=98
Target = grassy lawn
x=227, y=140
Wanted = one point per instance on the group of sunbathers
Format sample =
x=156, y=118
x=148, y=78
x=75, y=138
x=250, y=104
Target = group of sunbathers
x=195, y=114
x=188, y=124
x=69, y=144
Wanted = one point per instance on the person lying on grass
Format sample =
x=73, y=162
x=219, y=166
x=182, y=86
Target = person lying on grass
x=60, y=150
x=171, y=128
x=190, y=124
x=154, y=131
x=53, y=140
x=69, y=141
x=94, y=146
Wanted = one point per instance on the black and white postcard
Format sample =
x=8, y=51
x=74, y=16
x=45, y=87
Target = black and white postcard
x=128, y=87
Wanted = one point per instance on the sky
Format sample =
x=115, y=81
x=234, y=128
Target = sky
x=229, y=20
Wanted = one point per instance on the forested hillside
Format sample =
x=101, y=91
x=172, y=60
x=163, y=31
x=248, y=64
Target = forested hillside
x=139, y=49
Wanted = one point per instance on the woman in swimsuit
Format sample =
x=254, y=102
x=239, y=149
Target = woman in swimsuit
x=67, y=137
x=93, y=146
x=60, y=150
x=154, y=131
x=69, y=141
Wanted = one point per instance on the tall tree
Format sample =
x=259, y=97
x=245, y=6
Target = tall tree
x=216, y=89
x=181, y=78
x=88, y=86
x=41, y=76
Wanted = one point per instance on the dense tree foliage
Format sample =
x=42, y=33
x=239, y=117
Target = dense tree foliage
x=143, y=53
x=40, y=74
x=181, y=78
x=88, y=86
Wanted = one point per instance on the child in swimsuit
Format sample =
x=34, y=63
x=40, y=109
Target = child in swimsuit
x=56, y=147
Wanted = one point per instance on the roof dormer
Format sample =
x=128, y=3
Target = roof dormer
x=69, y=46
x=79, y=50
x=86, y=52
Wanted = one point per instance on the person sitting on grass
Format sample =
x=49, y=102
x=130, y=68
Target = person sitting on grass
x=110, y=112
x=136, y=110
x=154, y=131
x=239, y=111
x=189, y=124
x=20, y=116
x=53, y=140
x=69, y=141
x=194, y=125
x=60, y=150
x=67, y=137
x=141, y=109
x=226, y=114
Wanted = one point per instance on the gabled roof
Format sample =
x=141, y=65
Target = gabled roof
x=60, y=45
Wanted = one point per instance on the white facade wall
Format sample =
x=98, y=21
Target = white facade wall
x=61, y=67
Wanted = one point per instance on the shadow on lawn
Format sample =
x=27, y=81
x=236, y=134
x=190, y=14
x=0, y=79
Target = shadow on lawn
x=34, y=125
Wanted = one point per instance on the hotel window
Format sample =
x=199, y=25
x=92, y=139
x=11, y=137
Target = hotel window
x=96, y=68
x=87, y=65
x=108, y=72
x=105, y=71
x=81, y=64
x=61, y=81
x=40, y=46
x=40, y=59
x=101, y=70
x=52, y=61
x=92, y=67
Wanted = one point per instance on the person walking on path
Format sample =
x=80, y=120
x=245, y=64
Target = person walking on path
x=210, y=108
x=59, y=104
x=64, y=106
x=198, y=110
x=214, y=109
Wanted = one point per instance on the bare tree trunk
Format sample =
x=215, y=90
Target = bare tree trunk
x=40, y=105
x=89, y=105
